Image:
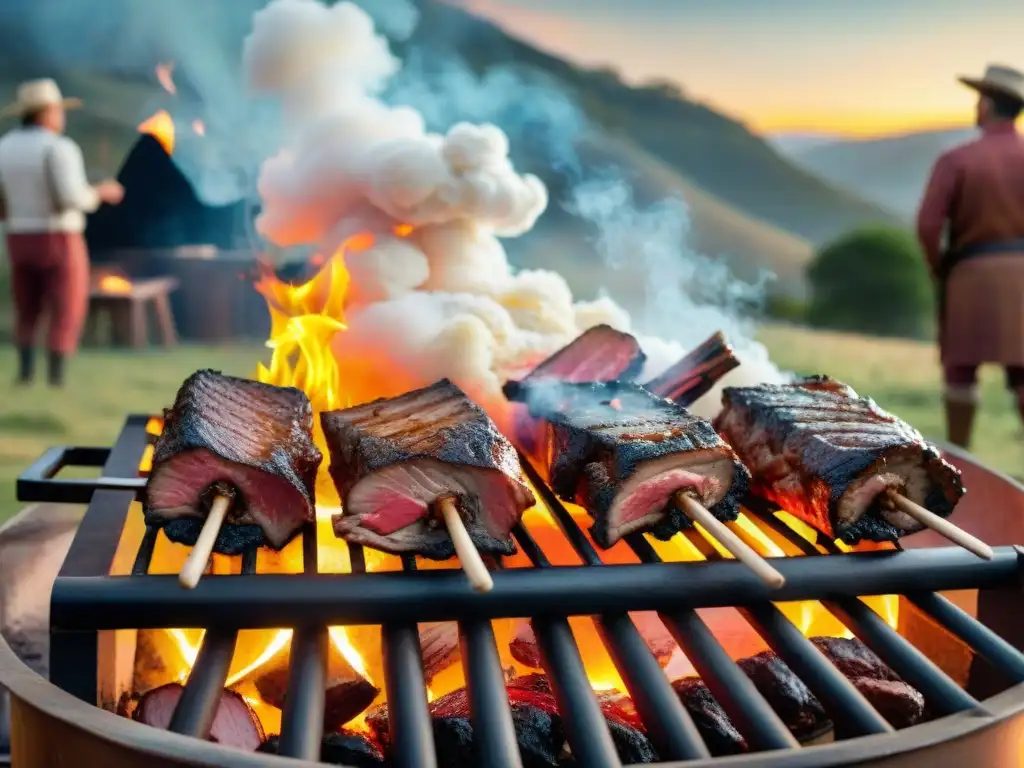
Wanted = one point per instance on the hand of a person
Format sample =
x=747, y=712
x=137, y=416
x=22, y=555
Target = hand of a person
x=110, y=192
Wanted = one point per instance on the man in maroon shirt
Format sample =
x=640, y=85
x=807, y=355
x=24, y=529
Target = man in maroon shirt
x=976, y=193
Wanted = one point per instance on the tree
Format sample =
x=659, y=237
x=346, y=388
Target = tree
x=872, y=280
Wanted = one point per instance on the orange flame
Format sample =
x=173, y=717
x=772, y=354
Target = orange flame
x=163, y=74
x=115, y=285
x=161, y=127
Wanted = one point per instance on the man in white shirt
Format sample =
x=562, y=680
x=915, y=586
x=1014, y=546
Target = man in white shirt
x=45, y=196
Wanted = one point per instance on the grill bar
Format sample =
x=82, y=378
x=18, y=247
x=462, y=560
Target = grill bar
x=984, y=641
x=411, y=732
x=302, y=717
x=943, y=695
x=193, y=716
x=154, y=602
x=585, y=727
x=494, y=734
x=669, y=725
x=145, y=554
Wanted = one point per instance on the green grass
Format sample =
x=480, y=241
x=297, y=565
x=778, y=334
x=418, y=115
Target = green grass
x=106, y=386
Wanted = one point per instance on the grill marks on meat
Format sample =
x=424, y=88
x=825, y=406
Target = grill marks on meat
x=392, y=459
x=806, y=719
x=598, y=354
x=253, y=439
x=622, y=453
x=234, y=724
x=340, y=748
x=828, y=456
x=540, y=734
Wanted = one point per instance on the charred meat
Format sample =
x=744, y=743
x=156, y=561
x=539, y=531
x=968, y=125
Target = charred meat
x=696, y=373
x=393, y=459
x=341, y=748
x=235, y=436
x=896, y=701
x=598, y=354
x=622, y=453
x=793, y=702
x=831, y=458
x=539, y=731
x=234, y=724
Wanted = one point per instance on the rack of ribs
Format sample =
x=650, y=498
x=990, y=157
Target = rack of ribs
x=623, y=454
x=829, y=457
x=239, y=438
x=394, y=460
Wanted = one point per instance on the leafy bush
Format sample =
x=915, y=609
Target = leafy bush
x=872, y=280
x=786, y=308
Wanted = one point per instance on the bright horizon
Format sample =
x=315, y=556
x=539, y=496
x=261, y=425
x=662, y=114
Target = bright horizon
x=852, y=67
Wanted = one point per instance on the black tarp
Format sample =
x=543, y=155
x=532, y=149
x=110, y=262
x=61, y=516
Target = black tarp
x=161, y=210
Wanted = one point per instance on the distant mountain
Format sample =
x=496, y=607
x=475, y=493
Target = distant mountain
x=890, y=171
x=748, y=202
x=789, y=144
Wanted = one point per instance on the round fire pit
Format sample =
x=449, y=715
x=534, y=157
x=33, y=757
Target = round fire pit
x=51, y=727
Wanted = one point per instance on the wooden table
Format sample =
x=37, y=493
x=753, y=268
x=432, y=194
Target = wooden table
x=127, y=304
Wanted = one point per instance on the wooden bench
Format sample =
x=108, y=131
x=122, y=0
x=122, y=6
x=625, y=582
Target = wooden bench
x=126, y=303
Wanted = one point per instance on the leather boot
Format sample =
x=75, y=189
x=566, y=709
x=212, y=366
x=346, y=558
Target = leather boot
x=959, y=421
x=26, y=365
x=56, y=371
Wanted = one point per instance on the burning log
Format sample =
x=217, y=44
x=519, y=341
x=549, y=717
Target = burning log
x=539, y=731
x=236, y=445
x=348, y=693
x=235, y=724
x=896, y=701
x=340, y=748
x=526, y=651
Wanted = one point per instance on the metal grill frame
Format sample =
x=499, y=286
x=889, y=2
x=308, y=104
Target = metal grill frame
x=86, y=600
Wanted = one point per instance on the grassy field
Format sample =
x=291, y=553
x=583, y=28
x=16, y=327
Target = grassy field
x=105, y=386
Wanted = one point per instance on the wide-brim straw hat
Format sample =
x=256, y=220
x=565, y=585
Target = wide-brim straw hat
x=998, y=80
x=38, y=94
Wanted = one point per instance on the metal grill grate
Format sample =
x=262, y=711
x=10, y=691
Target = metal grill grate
x=86, y=601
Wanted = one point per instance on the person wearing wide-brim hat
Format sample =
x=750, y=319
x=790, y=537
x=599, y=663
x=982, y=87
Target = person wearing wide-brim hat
x=977, y=191
x=44, y=196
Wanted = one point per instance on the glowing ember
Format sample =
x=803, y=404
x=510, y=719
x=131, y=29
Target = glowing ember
x=164, y=74
x=161, y=127
x=115, y=285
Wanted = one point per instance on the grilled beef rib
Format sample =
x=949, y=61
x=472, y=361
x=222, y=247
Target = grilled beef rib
x=393, y=459
x=252, y=440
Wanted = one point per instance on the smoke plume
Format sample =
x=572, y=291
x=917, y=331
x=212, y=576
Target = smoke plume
x=435, y=294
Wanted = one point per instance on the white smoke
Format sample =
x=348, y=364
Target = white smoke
x=443, y=300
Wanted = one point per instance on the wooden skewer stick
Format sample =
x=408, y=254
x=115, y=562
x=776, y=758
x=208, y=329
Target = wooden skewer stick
x=469, y=557
x=941, y=526
x=194, y=566
x=729, y=540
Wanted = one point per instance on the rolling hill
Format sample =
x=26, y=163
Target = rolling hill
x=890, y=171
x=747, y=202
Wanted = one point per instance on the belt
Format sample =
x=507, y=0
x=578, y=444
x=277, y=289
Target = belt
x=966, y=253
x=973, y=251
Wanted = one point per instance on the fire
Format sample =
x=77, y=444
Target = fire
x=305, y=320
x=164, y=74
x=161, y=127
x=115, y=284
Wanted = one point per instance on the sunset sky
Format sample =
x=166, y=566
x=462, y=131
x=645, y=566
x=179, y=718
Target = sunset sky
x=847, y=66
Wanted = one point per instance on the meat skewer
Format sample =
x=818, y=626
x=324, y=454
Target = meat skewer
x=841, y=464
x=234, y=467
x=638, y=462
x=423, y=473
